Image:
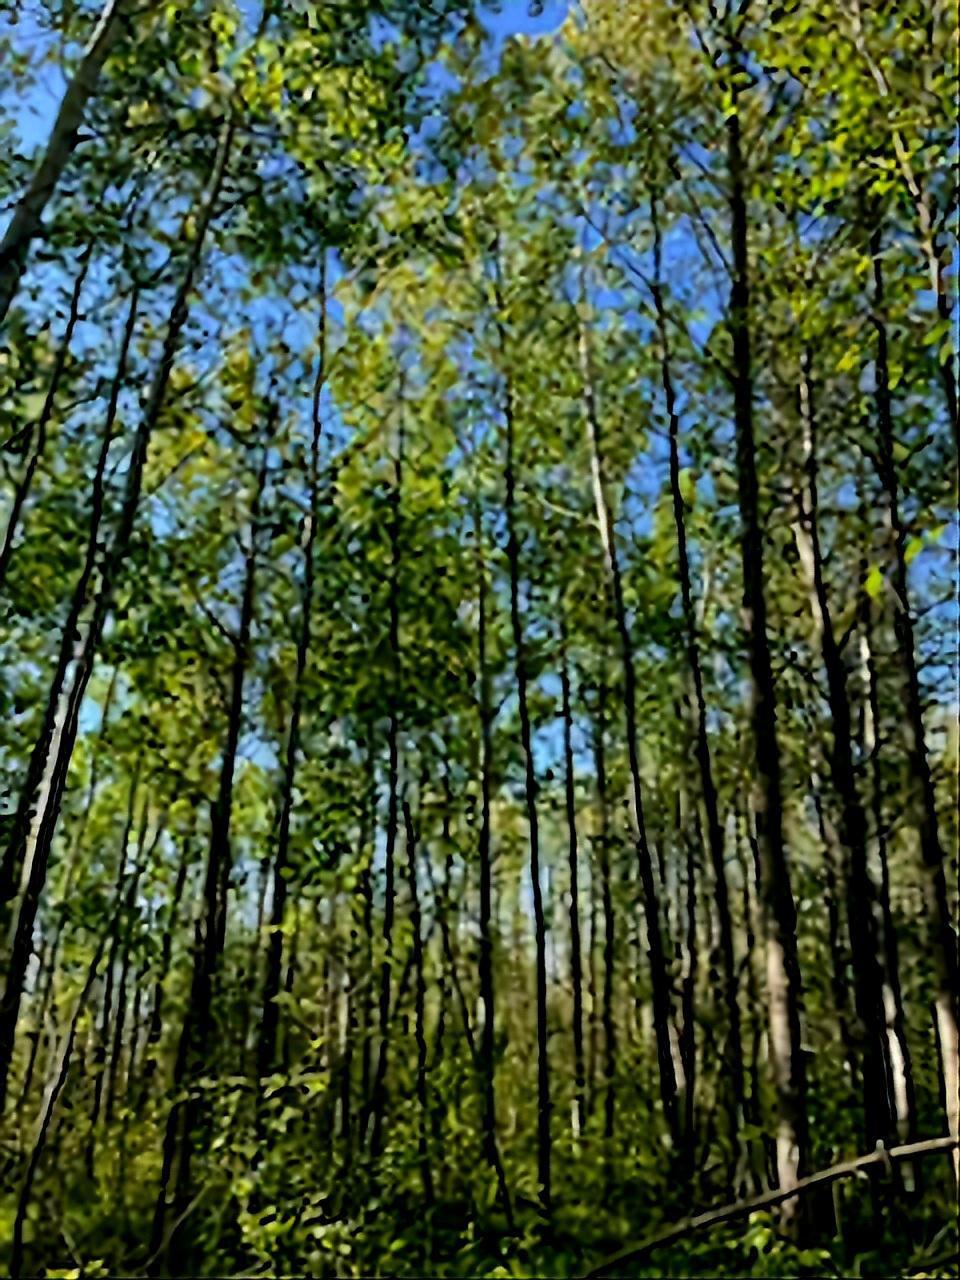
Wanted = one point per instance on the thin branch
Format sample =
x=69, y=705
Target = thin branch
x=712, y=1217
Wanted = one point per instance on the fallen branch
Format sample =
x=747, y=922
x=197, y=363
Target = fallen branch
x=711, y=1217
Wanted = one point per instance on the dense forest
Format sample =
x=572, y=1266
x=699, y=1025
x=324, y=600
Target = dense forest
x=478, y=638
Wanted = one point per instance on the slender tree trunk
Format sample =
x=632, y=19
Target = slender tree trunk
x=593, y=1019
x=35, y=439
x=609, y=923
x=544, y=1106
x=271, y=987
x=366, y=897
x=49, y=969
x=485, y=1052
x=100, y=1052
x=155, y=1026
x=36, y=796
x=48, y=1108
x=420, y=992
x=659, y=974
x=942, y=939
x=833, y=855
x=901, y=1067
x=688, y=841
x=708, y=789
x=780, y=917
x=378, y=1100
x=748, y=872
x=576, y=962
x=129, y=904
x=867, y=977
x=26, y=223
x=36, y=820
x=196, y=1034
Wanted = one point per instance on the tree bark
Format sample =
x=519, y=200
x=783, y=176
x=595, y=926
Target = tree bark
x=155, y=1025
x=210, y=933
x=36, y=820
x=609, y=923
x=416, y=920
x=378, y=1099
x=942, y=939
x=485, y=1051
x=274, y=967
x=867, y=977
x=780, y=916
x=708, y=788
x=26, y=222
x=576, y=961
x=544, y=1105
x=659, y=974
x=26, y=854
x=898, y=1054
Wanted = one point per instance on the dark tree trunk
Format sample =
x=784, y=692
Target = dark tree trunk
x=420, y=995
x=484, y=1053
x=780, y=917
x=36, y=820
x=867, y=977
x=609, y=922
x=378, y=1099
x=544, y=1144
x=196, y=1036
x=708, y=788
x=899, y=1056
x=26, y=221
x=266, y=1054
x=100, y=1052
x=155, y=1025
x=656, y=947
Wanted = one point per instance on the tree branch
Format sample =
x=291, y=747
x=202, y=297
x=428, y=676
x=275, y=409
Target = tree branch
x=712, y=1217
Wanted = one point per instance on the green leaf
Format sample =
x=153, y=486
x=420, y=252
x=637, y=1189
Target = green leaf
x=874, y=584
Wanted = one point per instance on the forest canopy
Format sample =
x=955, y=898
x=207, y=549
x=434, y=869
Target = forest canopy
x=478, y=638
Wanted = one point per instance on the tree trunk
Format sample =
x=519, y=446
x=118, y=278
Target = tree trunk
x=780, y=916
x=576, y=962
x=101, y=1066
x=35, y=823
x=25, y=223
x=708, y=789
x=129, y=904
x=659, y=974
x=155, y=1026
x=942, y=938
x=898, y=1053
x=197, y=1032
x=51, y=1095
x=274, y=968
x=867, y=978
x=609, y=924
x=416, y=920
x=833, y=855
x=49, y=969
x=378, y=1100
x=544, y=1144
x=484, y=1053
